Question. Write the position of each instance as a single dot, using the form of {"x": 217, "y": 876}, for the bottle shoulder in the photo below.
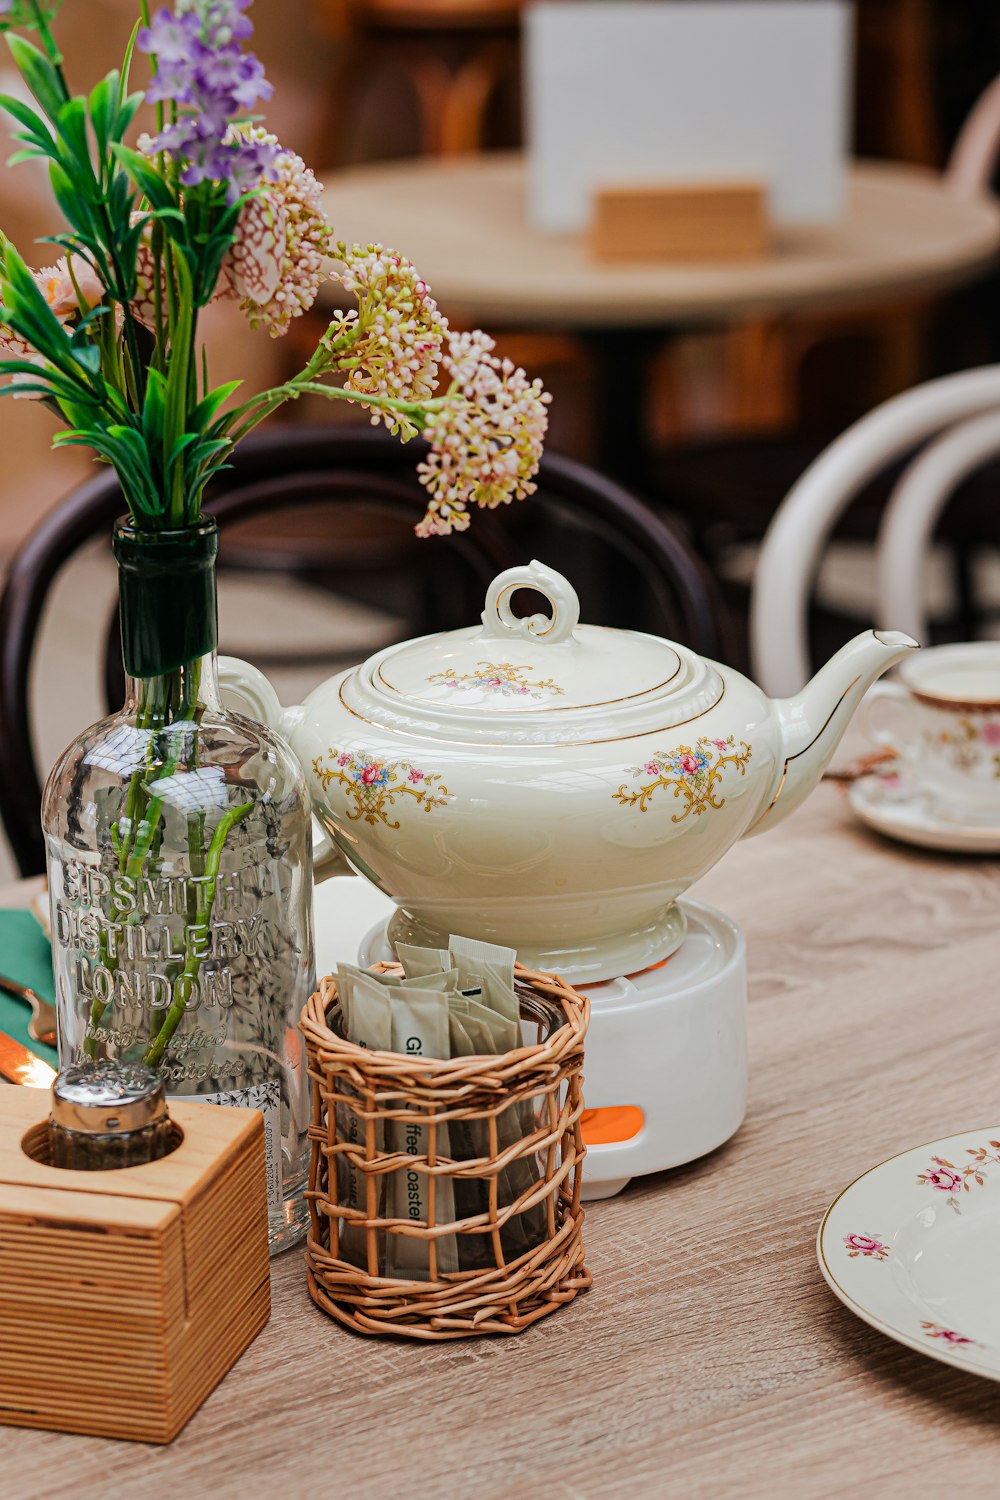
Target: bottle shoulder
{"x": 218, "y": 748}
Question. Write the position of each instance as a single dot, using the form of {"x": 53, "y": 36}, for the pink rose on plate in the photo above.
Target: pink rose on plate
{"x": 991, "y": 734}
{"x": 689, "y": 764}
{"x": 371, "y": 773}
{"x": 865, "y": 1244}
{"x": 944, "y": 1179}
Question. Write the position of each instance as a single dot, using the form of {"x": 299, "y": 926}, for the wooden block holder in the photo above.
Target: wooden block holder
{"x": 125, "y": 1296}
{"x": 722, "y": 221}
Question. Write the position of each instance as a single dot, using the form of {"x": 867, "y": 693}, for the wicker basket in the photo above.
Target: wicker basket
{"x": 495, "y": 1289}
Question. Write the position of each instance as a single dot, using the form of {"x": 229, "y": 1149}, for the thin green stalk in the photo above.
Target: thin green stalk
{"x": 197, "y": 944}
{"x": 261, "y": 406}
{"x": 49, "y": 44}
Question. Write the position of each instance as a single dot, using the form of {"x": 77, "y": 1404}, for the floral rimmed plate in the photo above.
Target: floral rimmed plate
{"x": 913, "y": 1248}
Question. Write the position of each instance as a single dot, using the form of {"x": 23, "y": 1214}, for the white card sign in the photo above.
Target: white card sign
{"x": 678, "y": 91}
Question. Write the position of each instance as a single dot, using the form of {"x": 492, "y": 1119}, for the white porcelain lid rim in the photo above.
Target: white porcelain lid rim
{"x": 363, "y": 696}
{"x": 681, "y": 675}
{"x": 510, "y": 669}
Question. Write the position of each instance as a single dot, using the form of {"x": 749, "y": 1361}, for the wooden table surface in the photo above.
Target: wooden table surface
{"x": 463, "y": 222}
{"x": 709, "y": 1359}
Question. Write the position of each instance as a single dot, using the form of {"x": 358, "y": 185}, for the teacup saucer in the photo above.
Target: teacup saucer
{"x": 893, "y": 805}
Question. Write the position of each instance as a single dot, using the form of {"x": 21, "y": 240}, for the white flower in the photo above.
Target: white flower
{"x": 486, "y": 441}
{"x": 400, "y": 330}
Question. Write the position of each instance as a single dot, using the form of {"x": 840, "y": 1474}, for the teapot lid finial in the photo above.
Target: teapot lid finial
{"x": 499, "y": 622}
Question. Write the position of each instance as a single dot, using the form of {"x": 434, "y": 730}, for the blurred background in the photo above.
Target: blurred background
{"x": 724, "y": 414}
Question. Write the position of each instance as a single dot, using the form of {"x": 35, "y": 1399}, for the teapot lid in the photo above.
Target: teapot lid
{"x": 539, "y": 679}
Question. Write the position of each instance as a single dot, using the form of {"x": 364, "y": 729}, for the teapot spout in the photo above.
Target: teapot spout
{"x": 813, "y": 721}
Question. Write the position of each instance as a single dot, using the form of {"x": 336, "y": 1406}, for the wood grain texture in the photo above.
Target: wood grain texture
{"x": 126, "y": 1295}
{"x": 711, "y": 222}
{"x": 709, "y": 1359}
{"x": 464, "y": 222}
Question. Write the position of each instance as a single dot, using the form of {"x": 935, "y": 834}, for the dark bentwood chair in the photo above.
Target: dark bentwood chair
{"x": 579, "y": 521}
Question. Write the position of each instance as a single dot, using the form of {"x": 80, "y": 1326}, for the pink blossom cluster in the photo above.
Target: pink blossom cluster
{"x": 399, "y": 330}
{"x": 486, "y": 440}
{"x": 277, "y": 262}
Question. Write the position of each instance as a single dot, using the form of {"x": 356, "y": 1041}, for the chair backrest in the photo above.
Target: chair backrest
{"x": 914, "y": 507}
{"x": 337, "y": 466}
{"x": 973, "y": 158}
{"x": 793, "y": 543}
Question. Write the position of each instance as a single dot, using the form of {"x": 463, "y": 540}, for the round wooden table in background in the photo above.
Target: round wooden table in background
{"x": 464, "y": 223}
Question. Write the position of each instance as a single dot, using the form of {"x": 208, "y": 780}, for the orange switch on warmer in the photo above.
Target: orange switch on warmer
{"x": 616, "y": 1122}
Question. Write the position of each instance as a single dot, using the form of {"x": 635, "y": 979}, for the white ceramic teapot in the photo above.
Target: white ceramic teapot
{"x": 554, "y": 786}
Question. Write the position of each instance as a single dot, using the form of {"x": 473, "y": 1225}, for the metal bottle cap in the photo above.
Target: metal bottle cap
{"x": 107, "y": 1097}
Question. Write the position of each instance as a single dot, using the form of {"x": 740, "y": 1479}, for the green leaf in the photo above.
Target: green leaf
{"x": 27, "y": 117}
{"x": 127, "y": 66}
{"x": 127, "y": 111}
{"x": 38, "y": 73}
{"x": 71, "y": 123}
{"x": 153, "y": 411}
{"x": 202, "y": 415}
{"x": 77, "y": 210}
{"x": 28, "y": 313}
{"x": 145, "y": 176}
{"x": 181, "y": 445}
{"x": 31, "y": 154}
{"x": 103, "y": 109}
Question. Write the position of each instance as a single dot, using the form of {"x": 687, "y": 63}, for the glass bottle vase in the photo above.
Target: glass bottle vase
{"x": 179, "y": 862}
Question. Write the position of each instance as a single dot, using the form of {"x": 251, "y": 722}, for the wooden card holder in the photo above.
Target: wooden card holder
{"x": 693, "y": 221}
{"x": 125, "y": 1296}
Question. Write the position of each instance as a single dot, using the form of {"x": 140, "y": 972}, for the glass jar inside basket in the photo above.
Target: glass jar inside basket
{"x": 178, "y": 846}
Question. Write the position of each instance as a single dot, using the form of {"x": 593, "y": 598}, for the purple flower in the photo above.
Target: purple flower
{"x": 200, "y": 66}
{"x": 6, "y": 6}
{"x": 168, "y": 38}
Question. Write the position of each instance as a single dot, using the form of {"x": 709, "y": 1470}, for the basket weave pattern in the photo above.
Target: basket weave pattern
{"x": 503, "y": 1294}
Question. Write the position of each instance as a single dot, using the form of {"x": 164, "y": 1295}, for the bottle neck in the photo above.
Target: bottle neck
{"x": 167, "y": 605}
{"x": 168, "y": 697}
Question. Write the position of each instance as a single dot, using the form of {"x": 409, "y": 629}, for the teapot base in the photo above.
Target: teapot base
{"x": 585, "y": 959}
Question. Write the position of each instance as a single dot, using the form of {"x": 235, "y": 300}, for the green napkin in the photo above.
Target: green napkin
{"x": 25, "y": 956}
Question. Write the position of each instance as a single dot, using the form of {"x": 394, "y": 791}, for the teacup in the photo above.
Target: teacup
{"x": 942, "y": 716}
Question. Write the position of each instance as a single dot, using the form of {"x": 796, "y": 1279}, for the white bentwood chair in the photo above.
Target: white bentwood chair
{"x": 794, "y": 541}
{"x": 913, "y": 510}
{"x": 791, "y": 548}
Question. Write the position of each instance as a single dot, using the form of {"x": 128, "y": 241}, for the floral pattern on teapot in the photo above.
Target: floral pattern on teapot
{"x": 502, "y": 678}
{"x": 693, "y": 772}
{"x": 374, "y": 786}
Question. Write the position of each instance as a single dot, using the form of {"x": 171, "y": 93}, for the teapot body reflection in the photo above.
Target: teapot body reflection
{"x": 552, "y": 786}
